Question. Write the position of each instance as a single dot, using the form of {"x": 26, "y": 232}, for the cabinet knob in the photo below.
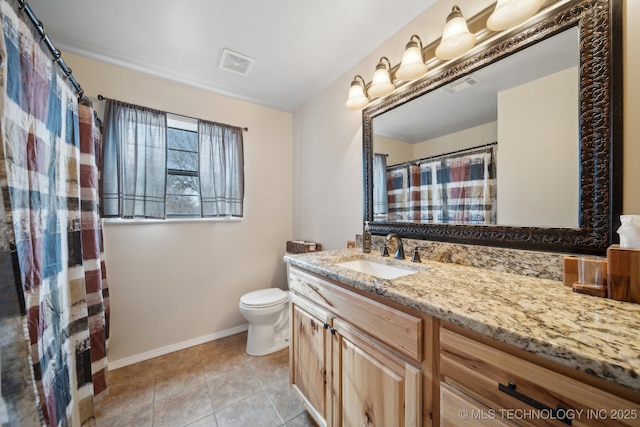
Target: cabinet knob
{"x": 333, "y": 331}
{"x": 326, "y": 325}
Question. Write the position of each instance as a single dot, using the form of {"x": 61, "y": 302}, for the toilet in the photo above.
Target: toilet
{"x": 267, "y": 311}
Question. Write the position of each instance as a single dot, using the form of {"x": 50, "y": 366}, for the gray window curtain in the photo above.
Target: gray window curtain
{"x": 134, "y": 162}
{"x": 221, "y": 169}
{"x": 380, "y": 200}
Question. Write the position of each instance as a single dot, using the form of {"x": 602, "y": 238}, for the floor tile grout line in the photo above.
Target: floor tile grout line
{"x": 153, "y": 399}
{"x": 206, "y": 382}
{"x": 239, "y": 349}
{"x": 262, "y": 386}
{"x": 271, "y": 402}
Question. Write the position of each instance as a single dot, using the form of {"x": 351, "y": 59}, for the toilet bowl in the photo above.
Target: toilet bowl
{"x": 267, "y": 311}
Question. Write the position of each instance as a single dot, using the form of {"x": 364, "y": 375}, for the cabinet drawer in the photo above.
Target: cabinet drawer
{"x": 514, "y": 387}
{"x": 395, "y": 328}
{"x": 458, "y": 410}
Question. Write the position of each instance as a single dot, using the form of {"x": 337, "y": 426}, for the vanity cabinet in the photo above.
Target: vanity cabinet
{"x": 482, "y": 384}
{"x": 355, "y": 361}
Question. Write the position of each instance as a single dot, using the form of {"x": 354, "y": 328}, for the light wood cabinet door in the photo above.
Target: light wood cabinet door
{"x": 310, "y": 357}
{"x": 371, "y": 385}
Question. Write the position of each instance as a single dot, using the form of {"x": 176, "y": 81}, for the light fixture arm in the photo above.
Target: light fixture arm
{"x": 355, "y": 81}
{"x": 455, "y": 13}
{"x": 381, "y": 64}
{"x": 414, "y": 41}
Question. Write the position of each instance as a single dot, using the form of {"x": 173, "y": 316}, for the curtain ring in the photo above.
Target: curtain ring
{"x": 41, "y": 29}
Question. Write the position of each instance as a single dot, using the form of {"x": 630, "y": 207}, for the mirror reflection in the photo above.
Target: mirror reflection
{"x": 499, "y": 146}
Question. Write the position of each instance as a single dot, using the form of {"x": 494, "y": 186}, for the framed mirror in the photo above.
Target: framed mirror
{"x": 543, "y": 104}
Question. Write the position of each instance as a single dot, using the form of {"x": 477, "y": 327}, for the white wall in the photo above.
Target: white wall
{"x": 396, "y": 151}
{"x": 538, "y": 172}
{"x": 327, "y": 170}
{"x": 400, "y": 151}
{"x": 175, "y": 282}
{"x": 467, "y": 138}
{"x": 631, "y": 189}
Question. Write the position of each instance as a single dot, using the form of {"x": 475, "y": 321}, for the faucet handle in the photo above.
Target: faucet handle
{"x": 416, "y": 256}
{"x": 385, "y": 250}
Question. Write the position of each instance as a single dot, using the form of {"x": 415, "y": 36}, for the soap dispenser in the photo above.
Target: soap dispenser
{"x": 366, "y": 238}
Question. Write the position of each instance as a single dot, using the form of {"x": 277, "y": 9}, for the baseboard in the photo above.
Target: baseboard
{"x": 175, "y": 347}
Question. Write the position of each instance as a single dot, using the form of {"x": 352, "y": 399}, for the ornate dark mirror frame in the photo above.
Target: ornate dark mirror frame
{"x": 600, "y": 33}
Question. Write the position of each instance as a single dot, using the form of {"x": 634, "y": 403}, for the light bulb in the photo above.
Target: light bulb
{"x": 357, "y": 98}
{"x": 381, "y": 83}
{"x": 412, "y": 65}
{"x": 456, "y": 38}
{"x": 509, "y": 13}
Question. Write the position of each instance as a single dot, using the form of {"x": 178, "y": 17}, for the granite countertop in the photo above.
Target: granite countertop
{"x": 595, "y": 335}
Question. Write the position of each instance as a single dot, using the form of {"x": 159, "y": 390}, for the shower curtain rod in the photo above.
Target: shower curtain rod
{"x": 437, "y": 156}
{"x": 102, "y": 98}
{"x": 57, "y": 55}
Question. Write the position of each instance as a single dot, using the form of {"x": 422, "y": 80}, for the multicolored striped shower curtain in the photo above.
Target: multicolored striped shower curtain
{"x": 52, "y": 235}
{"x": 397, "y": 189}
{"x": 467, "y": 187}
{"x": 457, "y": 188}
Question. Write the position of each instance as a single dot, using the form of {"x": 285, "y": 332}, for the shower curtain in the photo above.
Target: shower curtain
{"x": 467, "y": 187}
{"x": 397, "y": 188}
{"x": 51, "y": 240}
{"x": 380, "y": 199}
{"x": 457, "y": 188}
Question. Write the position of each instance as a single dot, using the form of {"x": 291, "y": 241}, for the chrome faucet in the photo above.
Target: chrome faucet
{"x": 399, "y": 248}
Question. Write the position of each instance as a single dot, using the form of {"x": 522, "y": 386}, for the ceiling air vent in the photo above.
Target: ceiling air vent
{"x": 236, "y": 63}
{"x": 461, "y": 84}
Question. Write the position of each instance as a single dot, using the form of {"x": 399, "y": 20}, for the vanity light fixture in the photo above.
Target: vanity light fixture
{"x": 412, "y": 65}
{"x": 509, "y": 13}
{"x": 381, "y": 83}
{"x": 357, "y": 97}
{"x": 456, "y": 38}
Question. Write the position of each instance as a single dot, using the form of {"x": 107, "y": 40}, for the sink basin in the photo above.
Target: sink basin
{"x": 371, "y": 268}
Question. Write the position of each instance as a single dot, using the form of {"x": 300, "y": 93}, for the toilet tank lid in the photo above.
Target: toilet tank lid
{"x": 262, "y": 297}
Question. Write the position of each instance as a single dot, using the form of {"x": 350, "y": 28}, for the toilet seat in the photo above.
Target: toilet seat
{"x": 264, "y": 298}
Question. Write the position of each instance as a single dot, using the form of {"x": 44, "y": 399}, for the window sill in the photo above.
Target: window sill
{"x": 119, "y": 221}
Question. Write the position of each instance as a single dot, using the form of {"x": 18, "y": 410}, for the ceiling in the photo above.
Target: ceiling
{"x": 299, "y": 46}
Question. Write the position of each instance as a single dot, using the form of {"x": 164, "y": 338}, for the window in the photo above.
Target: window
{"x": 159, "y": 165}
{"x": 183, "y": 182}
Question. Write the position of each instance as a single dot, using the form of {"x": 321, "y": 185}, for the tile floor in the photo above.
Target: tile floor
{"x": 213, "y": 384}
